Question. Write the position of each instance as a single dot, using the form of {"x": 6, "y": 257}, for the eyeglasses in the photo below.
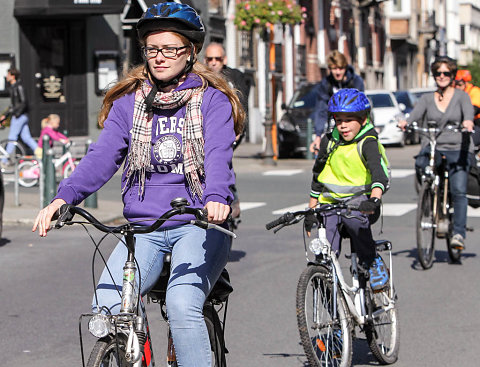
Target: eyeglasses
{"x": 168, "y": 52}
{"x": 448, "y": 74}
{"x": 216, "y": 58}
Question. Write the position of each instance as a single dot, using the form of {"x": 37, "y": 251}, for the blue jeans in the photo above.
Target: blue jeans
{"x": 19, "y": 127}
{"x": 198, "y": 258}
{"x": 458, "y": 165}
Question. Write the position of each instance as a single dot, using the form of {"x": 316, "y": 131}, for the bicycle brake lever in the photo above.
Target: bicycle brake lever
{"x": 62, "y": 216}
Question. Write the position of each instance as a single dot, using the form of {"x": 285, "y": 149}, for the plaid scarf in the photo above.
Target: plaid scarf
{"x": 192, "y": 136}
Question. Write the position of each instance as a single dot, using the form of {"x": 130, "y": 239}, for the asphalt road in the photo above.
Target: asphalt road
{"x": 47, "y": 283}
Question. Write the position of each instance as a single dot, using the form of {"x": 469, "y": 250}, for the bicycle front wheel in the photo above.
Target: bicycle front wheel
{"x": 426, "y": 225}
{"x": 28, "y": 173}
{"x": 215, "y": 333}
{"x": 109, "y": 352}
{"x": 383, "y": 333}
{"x": 68, "y": 168}
{"x": 322, "y": 320}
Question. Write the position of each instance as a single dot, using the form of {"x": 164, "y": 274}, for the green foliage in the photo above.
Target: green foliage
{"x": 474, "y": 68}
{"x": 263, "y": 13}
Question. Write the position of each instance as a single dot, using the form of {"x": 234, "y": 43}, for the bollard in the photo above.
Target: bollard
{"x": 309, "y": 154}
{"x": 48, "y": 174}
{"x": 91, "y": 201}
{"x": 64, "y": 147}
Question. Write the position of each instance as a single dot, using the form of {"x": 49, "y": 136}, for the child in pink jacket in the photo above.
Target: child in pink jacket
{"x": 50, "y": 124}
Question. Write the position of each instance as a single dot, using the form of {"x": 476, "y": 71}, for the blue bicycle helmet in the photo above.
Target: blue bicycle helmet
{"x": 171, "y": 16}
{"x": 349, "y": 100}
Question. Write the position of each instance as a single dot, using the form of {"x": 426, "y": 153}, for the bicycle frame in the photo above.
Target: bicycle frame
{"x": 354, "y": 295}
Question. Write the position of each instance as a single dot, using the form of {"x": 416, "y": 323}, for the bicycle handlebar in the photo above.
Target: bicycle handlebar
{"x": 426, "y": 130}
{"x": 67, "y": 211}
{"x": 295, "y": 217}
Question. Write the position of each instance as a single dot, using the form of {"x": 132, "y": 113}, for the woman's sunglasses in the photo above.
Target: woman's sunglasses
{"x": 448, "y": 74}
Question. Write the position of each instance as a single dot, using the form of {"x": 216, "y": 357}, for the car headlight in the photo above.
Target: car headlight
{"x": 286, "y": 124}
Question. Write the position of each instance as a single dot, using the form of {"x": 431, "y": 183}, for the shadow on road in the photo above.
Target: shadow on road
{"x": 236, "y": 255}
{"x": 4, "y": 241}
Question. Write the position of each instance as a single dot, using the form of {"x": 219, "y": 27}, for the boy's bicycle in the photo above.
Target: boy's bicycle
{"x": 29, "y": 169}
{"x": 124, "y": 339}
{"x": 329, "y": 309}
{"x": 434, "y": 208}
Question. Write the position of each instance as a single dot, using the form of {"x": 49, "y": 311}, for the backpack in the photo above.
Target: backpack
{"x": 384, "y": 160}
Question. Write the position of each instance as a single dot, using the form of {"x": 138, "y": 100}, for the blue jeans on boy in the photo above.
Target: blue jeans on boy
{"x": 19, "y": 127}
{"x": 198, "y": 258}
{"x": 458, "y": 164}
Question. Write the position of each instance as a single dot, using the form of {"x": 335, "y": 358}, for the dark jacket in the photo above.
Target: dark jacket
{"x": 18, "y": 99}
{"x": 239, "y": 81}
{"x": 325, "y": 89}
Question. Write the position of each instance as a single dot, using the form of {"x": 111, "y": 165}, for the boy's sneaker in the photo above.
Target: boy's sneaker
{"x": 457, "y": 242}
{"x": 378, "y": 274}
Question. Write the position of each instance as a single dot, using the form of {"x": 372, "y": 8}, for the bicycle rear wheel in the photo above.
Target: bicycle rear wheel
{"x": 109, "y": 352}
{"x": 19, "y": 151}
{"x": 215, "y": 333}
{"x": 426, "y": 226}
{"x": 326, "y": 337}
{"x": 28, "y": 173}
{"x": 383, "y": 333}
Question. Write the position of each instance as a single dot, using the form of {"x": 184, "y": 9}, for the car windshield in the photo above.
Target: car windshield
{"x": 402, "y": 97}
{"x": 303, "y": 98}
{"x": 381, "y": 100}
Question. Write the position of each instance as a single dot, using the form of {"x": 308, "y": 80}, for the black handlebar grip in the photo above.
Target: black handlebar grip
{"x": 277, "y": 221}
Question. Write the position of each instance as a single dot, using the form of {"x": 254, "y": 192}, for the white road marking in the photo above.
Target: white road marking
{"x": 401, "y": 173}
{"x": 250, "y": 205}
{"x": 283, "y": 172}
{"x": 397, "y": 210}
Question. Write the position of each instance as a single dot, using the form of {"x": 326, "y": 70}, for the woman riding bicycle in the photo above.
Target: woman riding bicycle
{"x": 448, "y": 107}
{"x": 174, "y": 122}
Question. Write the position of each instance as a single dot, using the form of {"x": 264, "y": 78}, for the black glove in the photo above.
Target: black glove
{"x": 310, "y": 220}
{"x": 370, "y": 205}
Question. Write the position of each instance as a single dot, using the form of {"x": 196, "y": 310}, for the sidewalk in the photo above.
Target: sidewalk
{"x": 247, "y": 158}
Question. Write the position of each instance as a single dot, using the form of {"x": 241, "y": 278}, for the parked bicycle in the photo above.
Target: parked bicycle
{"x": 29, "y": 169}
{"x": 434, "y": 208}
{"x": 329, "y": 309}
{"x": 124, "y": 339}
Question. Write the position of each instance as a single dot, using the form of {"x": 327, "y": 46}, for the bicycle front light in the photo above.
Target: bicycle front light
{"x": 315, "y": 246}
{"x": 99, "y": 326}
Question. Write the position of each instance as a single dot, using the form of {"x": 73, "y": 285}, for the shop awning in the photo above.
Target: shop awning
{"x": 26, "y": 8}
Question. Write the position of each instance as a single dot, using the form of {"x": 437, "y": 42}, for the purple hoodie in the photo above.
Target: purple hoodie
{"x": 165, "y": 179}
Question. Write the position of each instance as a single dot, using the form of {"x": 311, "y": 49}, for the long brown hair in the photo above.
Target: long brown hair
{"x": 134, "y": 78}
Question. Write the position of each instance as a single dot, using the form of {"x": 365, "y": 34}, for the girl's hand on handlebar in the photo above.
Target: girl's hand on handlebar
{"x": 468, "y": 125}
{"x": 44, "y": 217}
{"x": 217, "y": 212}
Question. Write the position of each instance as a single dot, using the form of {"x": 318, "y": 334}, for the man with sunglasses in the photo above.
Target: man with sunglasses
{"x": 448, "y": 106}
{"x": 341, "y": 75}
{"x": 216, "y": 60}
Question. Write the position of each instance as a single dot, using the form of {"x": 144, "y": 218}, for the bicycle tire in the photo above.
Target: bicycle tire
{"x": 327, "y": 341}
{"x": 27, "y": 174}
{"x": 383, "y": 332}
{"x": 426, "y": 226}
{"x": 20, "y": 150}
{"x": 215, "y": 333}
{"x": 104, "y": 353}
{"x": 67, "y": 169}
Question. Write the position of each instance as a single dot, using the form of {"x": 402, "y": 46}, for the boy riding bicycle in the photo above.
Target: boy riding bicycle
{"x": 351, "y": 168}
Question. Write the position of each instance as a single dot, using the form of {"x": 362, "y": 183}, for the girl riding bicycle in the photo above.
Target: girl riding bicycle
{"x": 448, "y": 107}
{"x": 50, "y": 125}
{"x": 349, "y": 169}
{"x": 174, "y": 123}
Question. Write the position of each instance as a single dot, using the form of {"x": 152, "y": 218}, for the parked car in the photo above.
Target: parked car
{"x": 408, "y": 99}
{"x": 292, "y": 126}
{"x": 386, "y": 113}
{"x": 419, "y": 92}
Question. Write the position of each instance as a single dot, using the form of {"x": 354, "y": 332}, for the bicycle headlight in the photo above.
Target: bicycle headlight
{"x": 99, "y": 326}
{"x": 315, "y": 246}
